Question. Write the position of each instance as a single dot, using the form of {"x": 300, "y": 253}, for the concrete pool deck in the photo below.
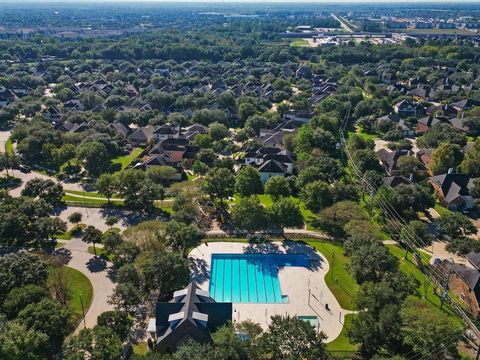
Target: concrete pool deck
{"x": 305, "y": 287}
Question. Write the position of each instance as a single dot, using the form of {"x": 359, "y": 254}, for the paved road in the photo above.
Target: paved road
{"x": 91, "y": 216}
{"x": 95, "y": 270}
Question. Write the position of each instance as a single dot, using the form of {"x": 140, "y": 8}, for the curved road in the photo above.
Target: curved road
{"x": 96, "y": 270}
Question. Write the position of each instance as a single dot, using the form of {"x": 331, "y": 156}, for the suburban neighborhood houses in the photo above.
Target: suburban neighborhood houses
{"x": 239, "y": 181}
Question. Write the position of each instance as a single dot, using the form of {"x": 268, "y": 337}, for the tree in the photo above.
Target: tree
{"x": 75, "y": 218}
{"x": 454, "y": 225}
{"x": 441, "y": 133}
{"x": 334, "y": 219}
{"x": 277, "y": 186}
{"x": 293, "y": 338}
{"x": 245, "y": 110}
{"x": 248, "y": 182}
{"x": 107, "y": 185}
{"x": 471, "y": 162}
{"x": 182, "y": 237}
{"x": 217, "y": 131}
{"x": 219, "y": 183}
{"x": 444, "y": 157}
{"x": 49, "y": 318}
{"x": 408, "y": 165}
{"x": 417, "y": 230}
{"x": 91, "y": 235}
{"x": 20, "y": 297}
{"x": 365, "y": 160}
{"x": 285, "y": 213}
{"x": 316, "y": 196}
{"x": 99, "y": 343}
{"x": 370, "y": 261}
{"x": 50, "y": 227}
{"x": 426, "y": 328}
{"x": 118, "y": 321}
{"x": 138, "y": 191}
{"x": 162, "y": 174}
{"x": 378, "y": 323}
{"x": 411, "y": 197}
{"x": 47, "y": 190}
{"x": 20, "y": 269}
{"x": 94, "y": 155}
{"x": 249, "y": 215}
{"x": 164, "y": 273}
{"x": 17, "y": 342}
{"x": 111, "y": 220}
{"x": 228, "y": 344}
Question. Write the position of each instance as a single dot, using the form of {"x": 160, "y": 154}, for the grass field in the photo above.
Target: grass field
{"x": 299, "y": 42}
{"x": 69, "y": 234}
{"x": 341, "y": 343}
{"x": 79, "y": 286}
{"x": 126, "y": 160}
{"x": 338, "y": 278}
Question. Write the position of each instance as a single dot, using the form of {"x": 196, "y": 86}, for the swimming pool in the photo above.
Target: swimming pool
{"x": 250, "y": 278}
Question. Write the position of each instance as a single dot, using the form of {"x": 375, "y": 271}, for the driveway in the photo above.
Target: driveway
{"x": 96, "y": 270}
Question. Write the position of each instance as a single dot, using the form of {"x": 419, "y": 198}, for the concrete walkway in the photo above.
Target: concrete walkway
{"x": 96, "y": 270}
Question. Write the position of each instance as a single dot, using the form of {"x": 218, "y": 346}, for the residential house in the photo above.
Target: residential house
{"x": 121, "y": 129}
{"x": 453, "y": 190}
{"x": 464, "y": 105}
{"x": 73, "y": 105}
{"x": 409, "y": 108}
{"x": 473, "y": 258}
{"x": 423, "y": 124}
{"x": 191, "y": 314}
{"x": 142, "y": 136}
{"x": 270, "y": 168}
{"x": 425, "y": 155}
{"x": 422, "y": 92}
{"x": 389, "y": 159}
{"x": 6, "y": 96}
{"x": 394, "y": 181}
{"x": 166, "y": 131}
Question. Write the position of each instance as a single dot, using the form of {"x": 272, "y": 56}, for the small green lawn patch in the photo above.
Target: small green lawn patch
{"x": 100, "y": 252}
{"x": 299, "y": 42}
{"x": 125, "y": 160}
{"x": 342, "y": 343}
{"x": 9, "y": 147}
{"x": 338, "y": 278}
{"x": 140, "y": 348}
{"x": 79, "y": 286}
{"x": 71, "y": 233}
{"x": 441, "y": 210}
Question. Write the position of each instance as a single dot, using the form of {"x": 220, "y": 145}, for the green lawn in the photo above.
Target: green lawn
{"x": 363, "y": 135}
{"x": 442, "y": 211}
{"x": 126, "y": 160}
{"x": 9, "y": 147}
{"x": 338, "y": 278}
{"x": 425, "y": 289}
{"x": 88, "y": 193}
{"x": 299, "y": 42}
{"x": 79, "y": 286}
{"x": 341, "y": 343}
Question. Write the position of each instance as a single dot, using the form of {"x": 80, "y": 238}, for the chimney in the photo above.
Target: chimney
{"x": 410, "y": 177}
{"x": 450, "y": 171}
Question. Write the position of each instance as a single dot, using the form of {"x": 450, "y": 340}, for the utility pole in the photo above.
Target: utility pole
{"x": 445, "y": 288}
{"x": 83, "y": 311}
{"x": 333, "y": 262}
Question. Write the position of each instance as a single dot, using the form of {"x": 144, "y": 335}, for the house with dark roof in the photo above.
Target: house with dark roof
{"x": 6, "y": 96}
{"x": 473, "y": 258}
{"x": 453, "y": 190}
{"x": 271, "y": 168}
{"x": 191, "y": 313}
{"x": 464, "y": 105}
{"x": 142, "y": 136}
{"x": 422, "y": 92}
{"x": 394, "y": 181}
{"x": 425, "y": 123}
{"x": 465, "y": 283}
{"x": 409, "y": 108}
{"x": 166, "y": 131}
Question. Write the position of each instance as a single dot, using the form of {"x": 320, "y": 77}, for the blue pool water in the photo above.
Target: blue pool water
{"x": 250, "y": 278}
